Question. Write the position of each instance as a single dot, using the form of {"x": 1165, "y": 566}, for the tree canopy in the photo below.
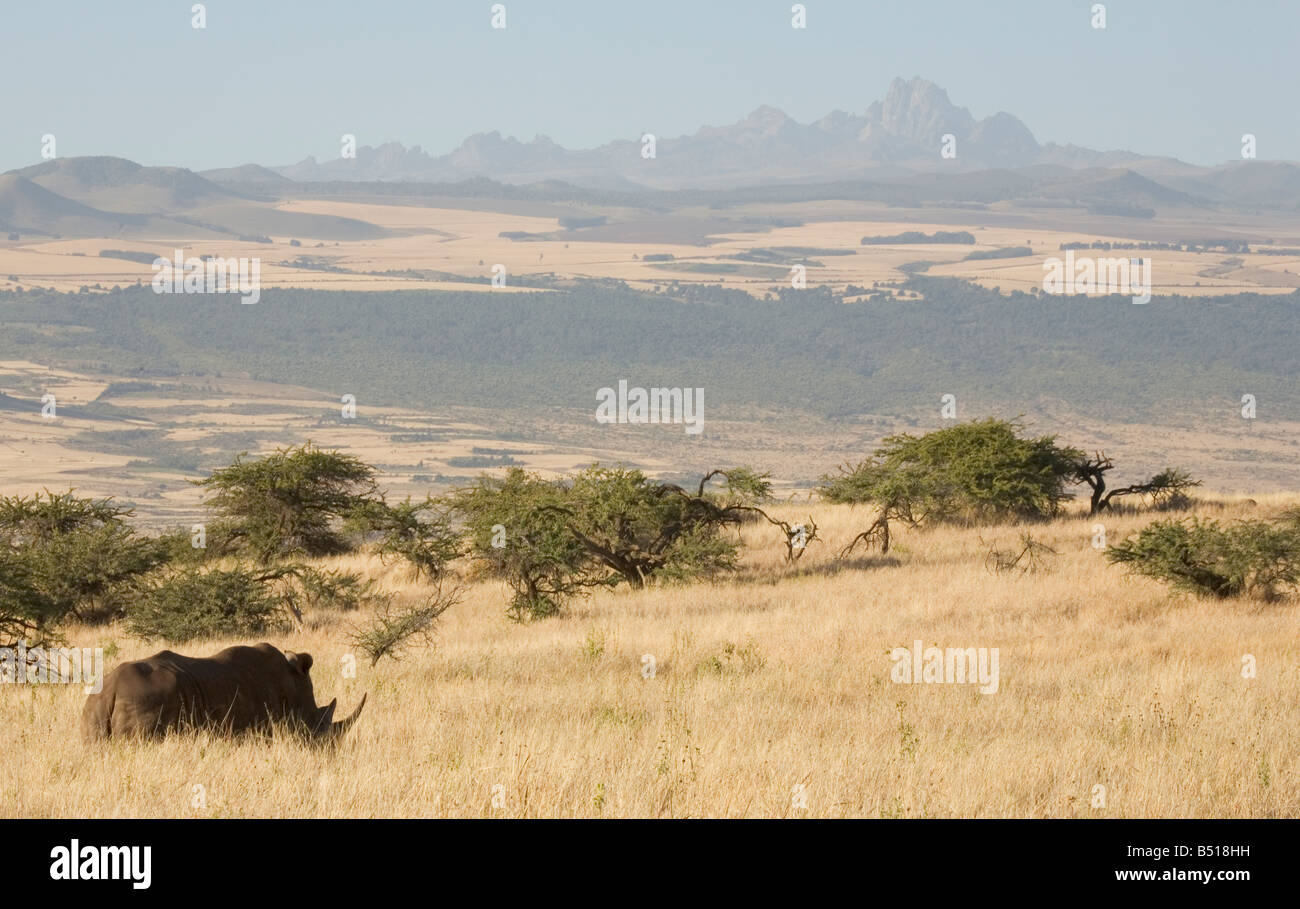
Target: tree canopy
{"x": 291, "y": 501}
{"x": 975, "y": 472}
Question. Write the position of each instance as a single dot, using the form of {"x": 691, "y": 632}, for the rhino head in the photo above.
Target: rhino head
{"x": 301, "y": 701}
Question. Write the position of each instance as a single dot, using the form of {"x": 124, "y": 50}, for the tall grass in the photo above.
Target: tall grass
{"x": 768, "y": 689}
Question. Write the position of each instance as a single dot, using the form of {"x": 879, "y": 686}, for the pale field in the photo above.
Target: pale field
{"x": 1189, "y": 274}
{"x": 772, "y": 679}
{"x": 474, "y": 236}
{"x": 466, "y": 244}
{"x": 68, "y": 265}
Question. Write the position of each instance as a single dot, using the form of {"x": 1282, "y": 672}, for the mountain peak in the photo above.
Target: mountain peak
{"x": 919, "y": 110}
{"x": 766, "y": 114}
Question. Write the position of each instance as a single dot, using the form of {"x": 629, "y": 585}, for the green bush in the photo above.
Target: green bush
{"x": 1258, "y": 558}
{"x": 78, "y": 554}
{"x": 26, "y": 612}
{"x": 342, "y": 590}
{"x": 193, "y": 603}
{"x": 517, "y": 531}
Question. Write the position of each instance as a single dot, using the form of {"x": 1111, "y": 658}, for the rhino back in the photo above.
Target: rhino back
{"x": 235, "y": 690}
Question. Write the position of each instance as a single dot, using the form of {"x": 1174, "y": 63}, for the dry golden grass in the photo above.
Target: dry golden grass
{"x": 773, "y": 679}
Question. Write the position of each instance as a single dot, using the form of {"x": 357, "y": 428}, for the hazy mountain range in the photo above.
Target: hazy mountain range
{"x": 901, "y": 133}
{"x": 889, "y": 154}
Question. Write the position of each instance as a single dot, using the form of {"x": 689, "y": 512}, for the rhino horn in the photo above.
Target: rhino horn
{"x": 342, "y": 726}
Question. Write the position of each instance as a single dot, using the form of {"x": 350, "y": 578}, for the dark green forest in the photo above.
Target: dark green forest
{"x": 805, "y": 350}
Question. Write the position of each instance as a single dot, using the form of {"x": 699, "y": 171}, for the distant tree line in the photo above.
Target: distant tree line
{"x": 963, "y": 237}
{"x": 1227, "y": 245}
{"x": 794, "y": 349}
{"x": 1006, "y": 252}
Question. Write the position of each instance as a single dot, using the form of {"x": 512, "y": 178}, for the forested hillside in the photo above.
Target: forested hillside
{"x": 807, "y": 351}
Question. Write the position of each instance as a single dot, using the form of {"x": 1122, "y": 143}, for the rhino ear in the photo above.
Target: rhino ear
{"x": 299, "y": 661}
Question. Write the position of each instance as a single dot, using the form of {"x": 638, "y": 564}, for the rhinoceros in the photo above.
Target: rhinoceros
{"x": 238, "y": 690}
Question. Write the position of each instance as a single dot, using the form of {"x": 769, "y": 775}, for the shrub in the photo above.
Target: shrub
{"x": 394, "y": 628}
{"x": 220, "y": 539}
{"x": 341, "y": 590}
{"x": 1204, "y": 557}
{"x": 192, "y": 603}
{"x": 733, "y": 658}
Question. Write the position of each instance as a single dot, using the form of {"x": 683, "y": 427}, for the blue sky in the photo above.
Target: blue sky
{"x": 272, "y": 81}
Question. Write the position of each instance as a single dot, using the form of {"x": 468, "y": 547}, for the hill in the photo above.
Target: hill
{"x": 27, "y": 207}
{"x": 110, "y": 197}
{"x": 247, "y": 175}
{"x": 119, "y": 185}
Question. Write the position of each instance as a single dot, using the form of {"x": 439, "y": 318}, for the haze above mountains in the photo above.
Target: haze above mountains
{"x": 890, "y": 153}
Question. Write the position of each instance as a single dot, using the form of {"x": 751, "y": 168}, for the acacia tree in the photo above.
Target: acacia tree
{"x": 517, "y": 531}
{"x": 638, "y": 527}
{"x": 553, "y": 539}
{"x": 977, "y": 472}
{"x": 292, "y": 501}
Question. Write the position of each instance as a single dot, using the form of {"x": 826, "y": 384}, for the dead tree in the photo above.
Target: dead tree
{"x": 875, "y": 535}
{"x": 1093, "y": 472}
{"x": 1164, "y": 486}
{"x": 897, "y": 508}
{"x": 1032, "y": 557}
{"x": 797, "y": 536}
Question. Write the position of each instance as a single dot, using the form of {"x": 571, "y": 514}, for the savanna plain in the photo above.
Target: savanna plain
{"x": 766, "y": 694}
